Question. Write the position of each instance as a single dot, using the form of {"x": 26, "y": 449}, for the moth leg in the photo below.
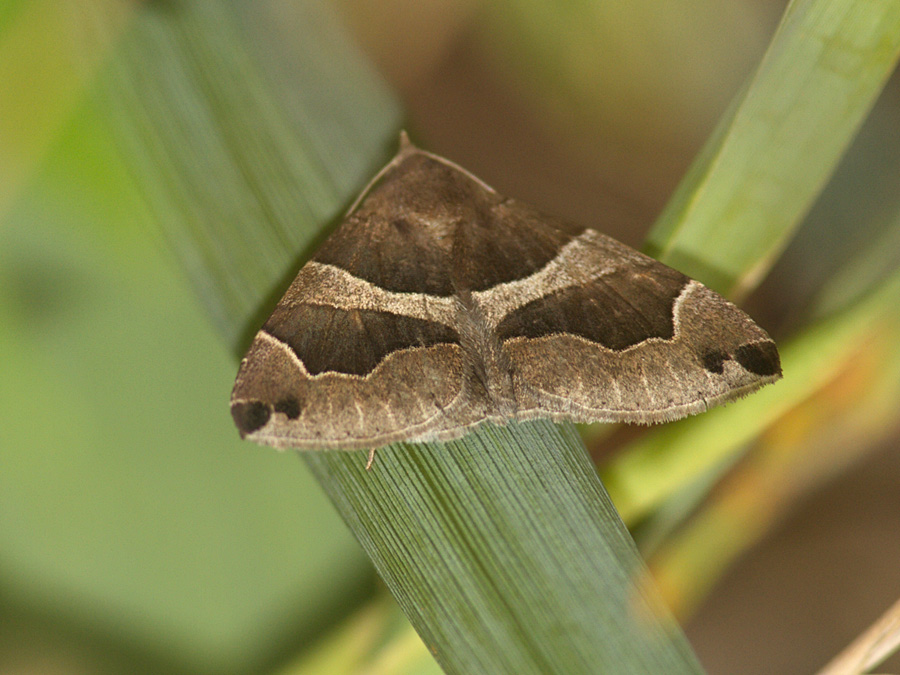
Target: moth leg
{"x": 371, "y": 459}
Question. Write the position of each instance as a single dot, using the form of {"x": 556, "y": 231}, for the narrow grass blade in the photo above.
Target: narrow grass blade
{"x": 878, "y": 642}
{"x": 759, "y": 173}
{"x": 837, "y": 426}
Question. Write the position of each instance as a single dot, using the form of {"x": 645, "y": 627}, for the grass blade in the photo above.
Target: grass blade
{"x": 878, "y": 642}
{"x": 761, "y": 170}
{"x": 244, "y": 178}
{"x": 243, "y": 159}
{"x": 523, "y": 562}
{"x": 752, "y": 184}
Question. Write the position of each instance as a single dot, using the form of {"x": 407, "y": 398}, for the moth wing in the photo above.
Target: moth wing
{"x": 605, "y": 333}
{"x": 439, "y": 304}
{"x": 362, "y": 350}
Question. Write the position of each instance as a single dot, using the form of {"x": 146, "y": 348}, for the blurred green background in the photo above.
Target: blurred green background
{"x": 138, "y": 534}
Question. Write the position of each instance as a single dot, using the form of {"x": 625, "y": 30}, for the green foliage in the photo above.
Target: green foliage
{"x": 249, "y": 133}
{"x": 772, "y": 154}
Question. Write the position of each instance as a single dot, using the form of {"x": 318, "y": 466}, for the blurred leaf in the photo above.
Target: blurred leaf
{"x": 759, "y": 173}
{"x": 129, "y": 509}
{"x": 372, "y": 641}
{"x": 796, "y": 116}
{"x": 612, "y": 85}
{"x": 863, "y": 273}
{"x": 130, "y": 513}
{"x": 841, "y": 414}
{"x": 871, "y": 648}
{"x": 58, "y": 41}
{"x": 849, "y": 416}
{"x": 246, "y": 139}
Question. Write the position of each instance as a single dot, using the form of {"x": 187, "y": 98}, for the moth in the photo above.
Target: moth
{"x": 439, "y": 304}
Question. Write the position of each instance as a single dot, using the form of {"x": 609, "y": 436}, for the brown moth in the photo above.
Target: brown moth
{"x": 439, "y": 304}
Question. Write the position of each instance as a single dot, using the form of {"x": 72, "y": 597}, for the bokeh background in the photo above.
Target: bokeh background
{"x": 138, "y": 534}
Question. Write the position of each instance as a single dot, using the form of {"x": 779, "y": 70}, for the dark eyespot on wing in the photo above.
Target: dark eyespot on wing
{"x": 714, "y": 361}
{"x": 289, "y": 406}
{"x": 760, "y": 358}
{"x": 250, "y": 416}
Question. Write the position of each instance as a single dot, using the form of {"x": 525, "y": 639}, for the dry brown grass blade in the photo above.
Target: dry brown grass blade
{"x": 873, "y": 646}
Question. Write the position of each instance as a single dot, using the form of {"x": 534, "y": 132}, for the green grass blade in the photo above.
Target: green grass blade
{"x": 740, "y": 202}
{"x": 505, "y": 551}
{"x": 245, "y": 157}
{"x": 760, "y": 172}
{"x": 525, "y": 563}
